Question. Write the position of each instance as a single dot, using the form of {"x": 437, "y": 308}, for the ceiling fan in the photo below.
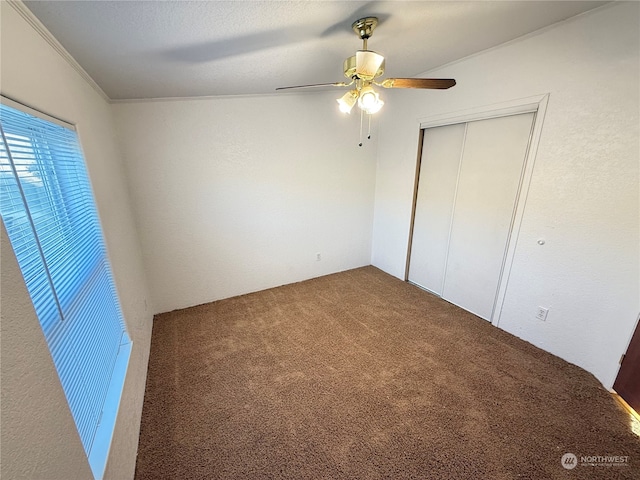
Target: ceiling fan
{"x": 363, "y": 68}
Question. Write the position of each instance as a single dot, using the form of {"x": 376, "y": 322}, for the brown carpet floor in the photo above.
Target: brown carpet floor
{"x": 359, "y": 375}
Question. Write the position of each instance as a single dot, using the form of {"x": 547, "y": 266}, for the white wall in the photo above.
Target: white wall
{"x": 34, "y": 409}
{"x": 238, "y": 194}
{"x": 39, "y": 439}
{"x": 583, "y": 196}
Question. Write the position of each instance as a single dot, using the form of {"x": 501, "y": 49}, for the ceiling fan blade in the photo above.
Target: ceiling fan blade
{"x": 338, "y": 84}
{"x": 439, "y": 83}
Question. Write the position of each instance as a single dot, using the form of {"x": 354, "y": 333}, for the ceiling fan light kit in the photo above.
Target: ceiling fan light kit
{"x": 369, "y": 100}
{"x": 363, "y": 68}
{"x": 347, "y": 101}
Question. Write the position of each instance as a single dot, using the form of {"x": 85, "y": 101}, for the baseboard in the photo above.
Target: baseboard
{"x": 625, "y": 405}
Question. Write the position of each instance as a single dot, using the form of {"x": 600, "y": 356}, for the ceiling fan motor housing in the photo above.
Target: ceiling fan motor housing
{"x": 365, "y": 65}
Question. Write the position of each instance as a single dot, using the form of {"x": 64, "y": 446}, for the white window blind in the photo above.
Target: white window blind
{"x": 48, "y": 209}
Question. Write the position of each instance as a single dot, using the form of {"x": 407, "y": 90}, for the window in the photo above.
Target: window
{"x": 49, "y": 212}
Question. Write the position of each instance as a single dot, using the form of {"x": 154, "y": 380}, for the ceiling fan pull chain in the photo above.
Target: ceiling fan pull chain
{"x": 369, "y": 132}
{"x": 361, "y": 115}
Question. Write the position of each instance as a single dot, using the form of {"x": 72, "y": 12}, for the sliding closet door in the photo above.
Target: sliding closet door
{"x": 488, "y": 183}
{"x": 468, "y": 186}
{"x": 442, "y": 147}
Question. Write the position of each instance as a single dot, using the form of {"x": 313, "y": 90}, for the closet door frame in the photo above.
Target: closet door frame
{"x": 537, "y": 105}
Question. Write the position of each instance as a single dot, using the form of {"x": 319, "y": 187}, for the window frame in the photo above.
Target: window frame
{"x": 97, "y": 448}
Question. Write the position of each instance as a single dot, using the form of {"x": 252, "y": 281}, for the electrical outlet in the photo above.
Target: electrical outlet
{"x": 541, "y": 313}
{"x": 318, "y": 257}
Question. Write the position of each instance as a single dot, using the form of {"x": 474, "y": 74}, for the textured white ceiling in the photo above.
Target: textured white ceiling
{"x": 153, "y": 49}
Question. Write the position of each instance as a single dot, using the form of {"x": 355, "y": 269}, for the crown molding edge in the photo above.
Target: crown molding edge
{"x": 39, "y": 27}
